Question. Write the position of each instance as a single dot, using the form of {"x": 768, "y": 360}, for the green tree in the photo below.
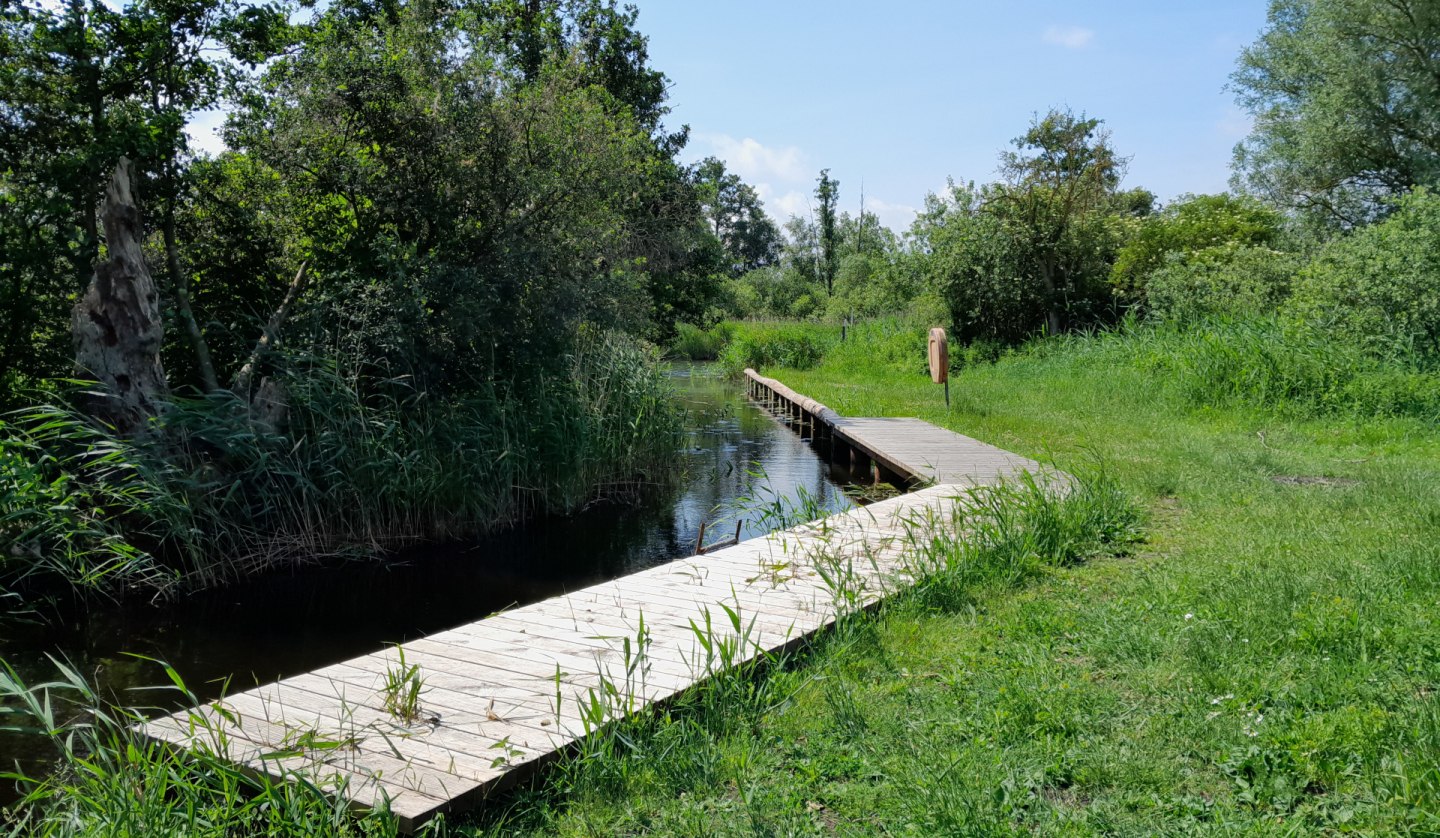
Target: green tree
{"x": 827, "y": 195}
{"x": 751, "y": 240}
{"x": 459, "y": 226}
{"x": 965, "y": 250}
{"x": 1346, "y": 96}
{"x": 83, "y": 85}
{"x": 1058, "y": 194}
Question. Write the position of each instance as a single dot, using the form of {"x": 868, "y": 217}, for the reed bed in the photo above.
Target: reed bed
{"x": 213, "y": 495}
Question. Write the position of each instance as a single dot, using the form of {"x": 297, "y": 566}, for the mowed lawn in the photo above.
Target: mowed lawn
{"x": 1265, "y": 662}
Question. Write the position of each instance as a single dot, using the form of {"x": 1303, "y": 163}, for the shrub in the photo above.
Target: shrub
{"x": 794, "y": 345}
{"x": 1229, "y": 280}
{"x": 1379, "y": 287}
{"x": 1192, "y": 225}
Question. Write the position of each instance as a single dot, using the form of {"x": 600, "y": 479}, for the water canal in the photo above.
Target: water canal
{"x": 737, "y": 463}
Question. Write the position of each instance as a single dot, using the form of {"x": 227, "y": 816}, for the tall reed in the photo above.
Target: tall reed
{"x": 213, "y": 494}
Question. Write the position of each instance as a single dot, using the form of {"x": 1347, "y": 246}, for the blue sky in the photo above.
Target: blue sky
{"x": 903, "y": 95}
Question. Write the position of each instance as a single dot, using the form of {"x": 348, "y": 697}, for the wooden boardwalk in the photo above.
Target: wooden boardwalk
{"x": 504, "y": 695}
{"x": 905, "y": 451}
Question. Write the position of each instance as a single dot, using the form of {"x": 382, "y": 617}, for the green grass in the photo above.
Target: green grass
{"x": 113, "y": 781}
{"x": 692, "y": 343}
{"x": 1266, "y": 663}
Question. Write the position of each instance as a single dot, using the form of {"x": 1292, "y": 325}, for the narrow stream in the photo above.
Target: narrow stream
{"x": 293, "y": 622}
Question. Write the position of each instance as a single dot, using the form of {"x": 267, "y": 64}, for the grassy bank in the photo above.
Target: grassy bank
{"x": 1265, "y": 664}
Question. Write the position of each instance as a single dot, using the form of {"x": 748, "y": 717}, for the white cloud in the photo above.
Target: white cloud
{"x": 1070, "y": 37}
{"x": 782, "y": 205}
{"x": 754, "y": 161}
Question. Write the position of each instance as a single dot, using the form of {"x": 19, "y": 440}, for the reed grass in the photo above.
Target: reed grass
{"x": 113, "y": 781}
{"x": 213, "y": 495}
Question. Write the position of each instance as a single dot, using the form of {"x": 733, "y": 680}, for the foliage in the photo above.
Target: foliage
{"x": 1226, "y": 280}
{"x": 1345, "y": 94}
{"x": 783, "y": 292}
{"x": 751, "y": 240}
{"x": 1034, "y": 251}
{"x": 1193, "y": 223}
{"x": 447, "y": 222}
{"x": 82, "y": 84}
{"x": 896, "y": 343}
{"x": 1289, "y": 368}
{"x": 696, "y": 344}
{"x": 217, "y": 496}
{"x": 1377, "y": 286}
{"x": 796, "y": 345}
{"x": 827, "y": 195}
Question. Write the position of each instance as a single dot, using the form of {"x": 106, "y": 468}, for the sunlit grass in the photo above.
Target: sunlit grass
{"x": 1265, "y": 663}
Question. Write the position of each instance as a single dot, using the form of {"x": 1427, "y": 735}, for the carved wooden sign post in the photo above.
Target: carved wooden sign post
{"x": 940, "y": 361}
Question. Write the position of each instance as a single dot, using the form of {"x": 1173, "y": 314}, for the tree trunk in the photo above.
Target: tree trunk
{"x": 1053, "y": 321}
{"x": 271, "y": 335}
{"x": 116, "y": 325}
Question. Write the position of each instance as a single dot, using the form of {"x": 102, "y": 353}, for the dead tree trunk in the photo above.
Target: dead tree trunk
{"x": 116, "y": 325}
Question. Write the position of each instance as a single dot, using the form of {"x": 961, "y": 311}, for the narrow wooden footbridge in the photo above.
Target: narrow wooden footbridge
{"x": 504, "y": 695}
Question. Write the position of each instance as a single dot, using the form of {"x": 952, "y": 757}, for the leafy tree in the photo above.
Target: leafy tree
{"x": 1059, "y": 190}
{"x": 1191, "y": 224}
{"x": 968, "y": 254}
{"x": 84, "y": 85}
{"x": 751, "y": 240}
{"x": 461, "y": 227}
{"x": 827, "y": 195}
{"x": 1345, "y": 96}
{"x": 599, "y": 36}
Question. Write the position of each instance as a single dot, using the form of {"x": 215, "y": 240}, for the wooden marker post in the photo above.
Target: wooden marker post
{"x": 940, "y": 361}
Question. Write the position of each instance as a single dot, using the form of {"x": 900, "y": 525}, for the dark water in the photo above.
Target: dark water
{"x": 295, "y": 621}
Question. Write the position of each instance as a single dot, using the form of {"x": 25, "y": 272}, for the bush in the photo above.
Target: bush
{"x": 1228, "y": 280}
{"x": 794, "y": 345}
{"x": 1380, "y": 286}
{"x": 1193, "y": 225}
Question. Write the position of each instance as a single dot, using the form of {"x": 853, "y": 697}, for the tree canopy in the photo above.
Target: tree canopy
{"x": 1346, "y": 98}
